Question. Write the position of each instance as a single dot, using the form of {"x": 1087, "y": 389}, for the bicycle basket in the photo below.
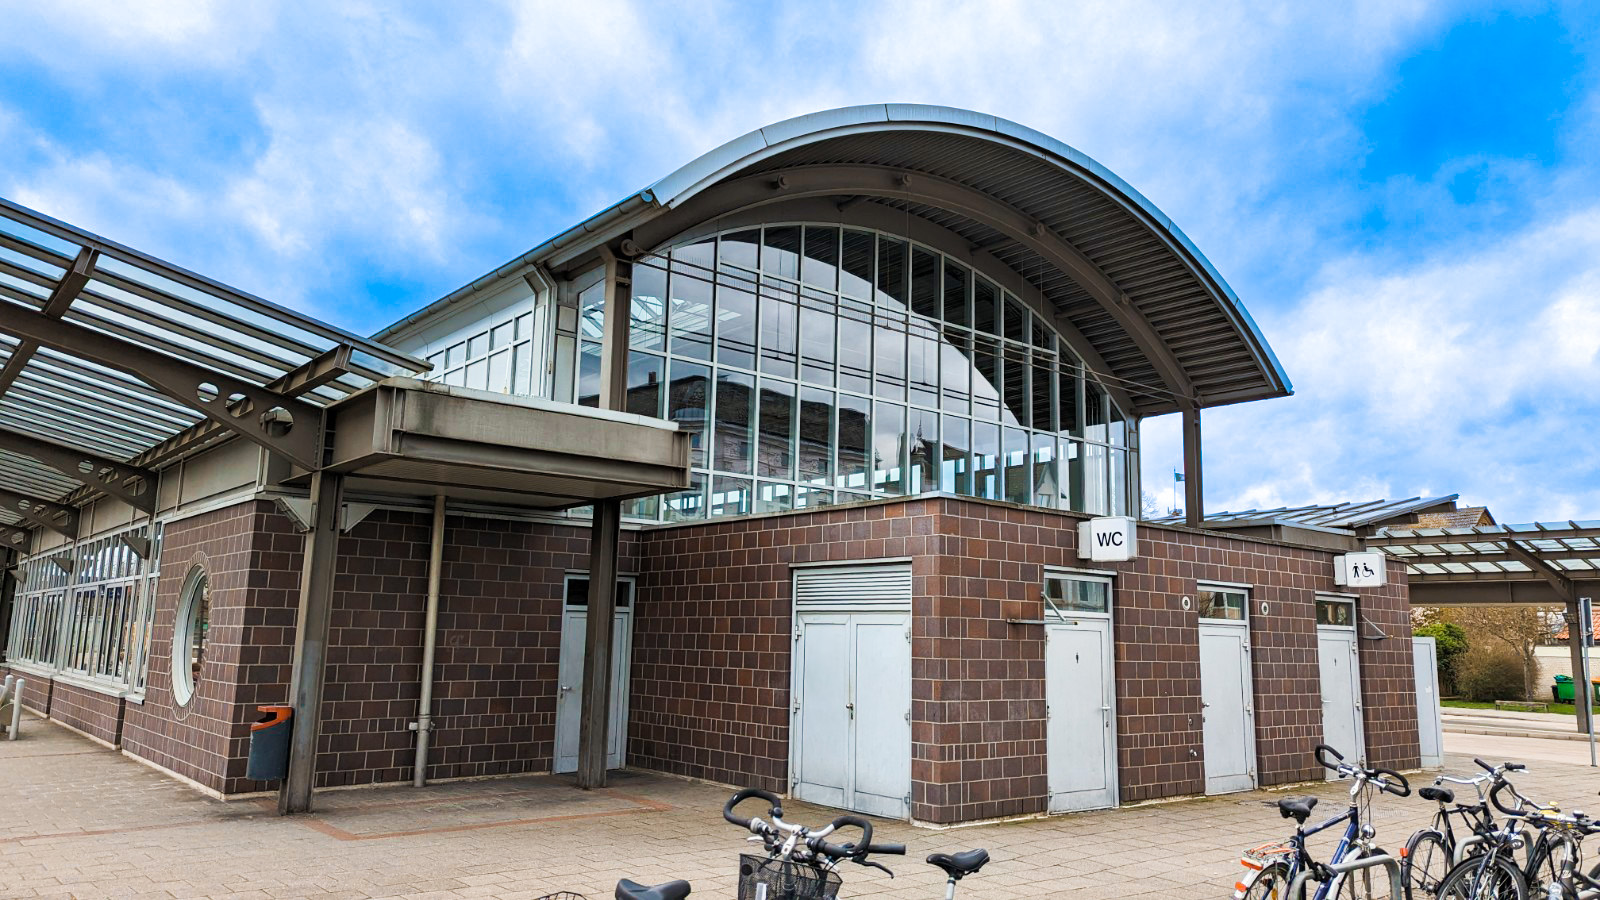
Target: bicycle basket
{"x": 563, "y": 895}
{"x": 775, "y": 879}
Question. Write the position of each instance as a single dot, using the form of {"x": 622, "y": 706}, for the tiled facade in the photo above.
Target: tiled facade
{"x": 712, "y": 633}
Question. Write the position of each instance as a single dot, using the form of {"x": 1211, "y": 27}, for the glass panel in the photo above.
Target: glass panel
{"x": 925, "y": 300}
{"x": 889, "y": 351}
{"x": 889, "y": 448}
{"x": 690, "y": 317}
{"x": 922, "y": 358}
{"x": 455, "y": 355}
{"x": 648, "y": 508}
{"x": 1094, "y": 412}
{"x": 985, "y": 307}
{"x": 856, "y": 279}
{"x": 1335, "y": 612}
{"x": 1117, "y": 490}
{"x": 1221, "y": 603}
{"x": 588, "y": 374}
{"x": 500, "y": 372}
{"x": 522, "y": 370}
{"x": 1042, "y": 338}
{"x": 499, "y": 336}
{"x": 1094, "y": 480}
{"x": 1018, "y": 477}
{"x": 956, "y": 302}
{"x": 1045, "y": 487}
{"x": 780, "y": 252}
{"x": 735, "y": 416}
{"x": 955, "y": 372}
{"x": 1067, "y": 403}
{"x": 594, "y": 307}
{"x": 986, "y": 381}
{"x": 779, "y": 332}
{"x": 891, "y": 272}
{"x": 1016, "y": 319}
{"x": 578, "y": 592}
{"x": 816, "y": 343}
{"x": 1017, "y": 411}
{"x": 740, "y": 248}
{"x": 730, "y": 496}
{"x": 689, "y": 403}
{"x": 986, "y": 460}
{"x": 1070, "y": 474}
{"x": 772, "y": 497}
{"x": 1070, "y": 594}
{"x": 855, "y": 349}
{"x": 955, "y": 472}
{"x": 923, "y": 433}
{"x": 812, "y": 497}
{"x": 854, "y": 423}
{"x": 816, "y": 435}
{"x": 697, "y": 255}
{"x": 1043, "y": 377}
{"x": 645, "y": 374}
{"x": 775, "y": 451}
{"x": 685, "y": 506}
{"x": 820, "y": 268}
{"x": 525, "y": 324}
{"x": 736, "y": 327}
{"x": 647, "y": 321}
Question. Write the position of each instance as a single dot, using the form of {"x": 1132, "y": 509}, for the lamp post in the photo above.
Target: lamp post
{"x": 1580, "y": 623}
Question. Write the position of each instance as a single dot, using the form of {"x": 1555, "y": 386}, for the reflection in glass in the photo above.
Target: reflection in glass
{"x": 889, "y": 448}
{"x": 687, "y": 505}
{"x": 955, "y": 373}
{"x": 1016, "y": 319}
{"x": 855, "y": 349}
{"x": 1220, "y": 603}
{"x": 647, "y": 320}
{"x": 588, "y": 374}
{"x": 816, "y": 343}
{"x": 807, "y": 497}
{"x": 816, "y": 436}
{"x": 986, "y": 380}
{"x": 1117, "y": 495}
{"x": 986, "y": 460}
{"x": 1094, "y": 480}
{"x": 854, "y": 421}
{"x": 774, "y": 497}
{"x": 955, "y": 475}
{"x": 889, "y": 350}
{"x": 922, "y": 431}
{"x": 1017, "y": 477}
{"x": 1041, "y": 380}
{"x": 891, "y": 272}
{"x": 855, "y": 279}
{"x": 645, "y": 375}
{"x": 690, "y": 317}
{"x": 1094, "y": 412}
{"x": 925, "y": 299}
{"x": 1016, "y": 411}
{"x": 955, "y": 294}
{"x": 775, "y": 450}
{"x": 689, "y": 404}
{"x": 820, "y": 267}
{"x": 1046, "y": 491}
{"x": 740, "y": 248}
{"x": 1069, "y": 594}
{"x": 780, "y": 252}
{"x": 779, "y": 332}
{"x": 922, "y": 363}
{"x": 735, "y": 415}
{"x": 730, "y": 496}
{"x": 985, "y": 306}
{"x": 1067, "y": 404}
{"x": 736, "y": 327}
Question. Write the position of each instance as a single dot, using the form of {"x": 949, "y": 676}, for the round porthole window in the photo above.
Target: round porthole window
{"x": 189, "y": 635}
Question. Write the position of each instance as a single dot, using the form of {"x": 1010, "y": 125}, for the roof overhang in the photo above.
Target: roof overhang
{"x": 410, "y": 437}
{"x": 1546, "y": 563}
{"x": 1158, "y": 320}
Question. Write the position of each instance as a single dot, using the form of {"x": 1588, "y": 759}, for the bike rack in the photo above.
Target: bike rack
{"x": 11, "y": 693}
{"x": 1297, "y": 888}
{"x": 1517, "y": 843}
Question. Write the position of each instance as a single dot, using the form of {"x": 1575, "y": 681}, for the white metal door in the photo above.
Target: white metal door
{"x": 569, "y": 690}
{"x": 1228, "y": 695}
{"x": 1341, "y": 692}
{"x": 852, "y": 712}
{"x": 1080, "y": 695}
{"x": 1430, "y": 726}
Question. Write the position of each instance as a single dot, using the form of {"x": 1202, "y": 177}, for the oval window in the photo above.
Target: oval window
{"x": 189, "y": 635}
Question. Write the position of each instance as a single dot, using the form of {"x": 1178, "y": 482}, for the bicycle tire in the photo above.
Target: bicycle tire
{"x": 1271, "y": 884}
{"x": 1540, "y": 870}
{"x": 1427, "y": 862}
{"x": 1502, "y": 881}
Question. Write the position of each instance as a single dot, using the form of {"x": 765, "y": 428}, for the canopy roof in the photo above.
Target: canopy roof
{"x": 1152, "y": 315}
{"x": 112, "y": 361}
{"x": 1533, "y": 552}
{"x": 1336, "y": 515}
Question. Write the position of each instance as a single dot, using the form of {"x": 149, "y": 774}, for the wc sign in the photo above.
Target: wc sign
{"x": 1108, "y": 539}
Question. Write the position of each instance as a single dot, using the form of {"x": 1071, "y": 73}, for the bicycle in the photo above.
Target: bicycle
{"x": 1281, "y": 870}
{"x": 1430, "y": 852}
{"x": 1561, "y": 841}
{"x": 1490, "y": 870}
{"x": 800, "y": 863}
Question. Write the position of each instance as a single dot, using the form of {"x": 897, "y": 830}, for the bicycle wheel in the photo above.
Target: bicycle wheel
{"x": 1477, "y": 879}
{"x": 1271, "y": 884}
{"x": 1427, "y": 861}
{"x": 1365, "y": 884}
{"x": 1542, "y": 867}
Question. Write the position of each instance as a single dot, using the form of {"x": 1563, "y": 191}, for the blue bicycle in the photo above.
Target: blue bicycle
{"x": 1284, "y": 870}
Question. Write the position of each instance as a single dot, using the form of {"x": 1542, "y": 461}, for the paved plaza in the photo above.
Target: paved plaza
{"x": 77, "y": 820}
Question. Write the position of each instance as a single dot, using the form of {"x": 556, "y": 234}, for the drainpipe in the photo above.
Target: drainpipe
{"x": 424, "y": 724}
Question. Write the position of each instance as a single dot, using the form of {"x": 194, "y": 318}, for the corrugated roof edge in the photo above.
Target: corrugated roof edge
{"x": 710, "y": 167}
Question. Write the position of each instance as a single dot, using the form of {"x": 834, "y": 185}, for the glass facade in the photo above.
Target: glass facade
{"x": 820, "y": 364}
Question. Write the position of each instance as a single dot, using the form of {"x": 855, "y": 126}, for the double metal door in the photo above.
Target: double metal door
{"x": 850, "y": 729}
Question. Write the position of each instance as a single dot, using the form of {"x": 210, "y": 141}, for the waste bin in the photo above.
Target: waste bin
{"x": 269, "y": 744}
{"x": 1562, "y": 691}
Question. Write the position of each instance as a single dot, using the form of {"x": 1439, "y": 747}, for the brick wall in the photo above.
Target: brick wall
{"x": 1388, "y": 679}
{"x": 94, "y": 713}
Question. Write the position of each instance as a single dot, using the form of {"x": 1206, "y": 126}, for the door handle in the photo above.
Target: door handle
{"x": 565, "y": 688}
{"x": 852, "y": 708}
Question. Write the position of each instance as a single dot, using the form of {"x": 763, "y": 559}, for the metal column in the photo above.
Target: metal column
{"x": 595, "y": 715}
{"x": 1577, "y": 629}
{"x": 1194, "y": 512}
{"x": 311, "y": 640}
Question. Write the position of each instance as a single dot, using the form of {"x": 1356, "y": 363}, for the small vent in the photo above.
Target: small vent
{"x": 875, "y": 587}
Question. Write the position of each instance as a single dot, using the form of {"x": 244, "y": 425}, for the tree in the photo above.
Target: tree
{"x": 1149, "y": 507}
{"x": 1450, "y": 645}
{"x": 1519, "y": 629}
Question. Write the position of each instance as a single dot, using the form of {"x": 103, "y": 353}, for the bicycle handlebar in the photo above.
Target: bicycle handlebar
{"x": 1403, "y": 789}
{"x": 1507, "y": 766}
{"x": 841, "y": 851}
{"x": 1494, "y": 798}
{"x": 1324, "y": 748}
{"x": 749, "y": 824}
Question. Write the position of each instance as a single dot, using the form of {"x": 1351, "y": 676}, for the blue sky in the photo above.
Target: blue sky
{"x": 1405, "y": 195}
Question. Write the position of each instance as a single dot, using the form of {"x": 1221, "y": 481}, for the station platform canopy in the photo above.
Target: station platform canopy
{"x": 1548, "y": 563}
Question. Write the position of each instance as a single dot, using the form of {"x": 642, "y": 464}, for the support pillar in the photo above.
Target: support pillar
{"x": 1576, "y": 629}
{"x": 311, "y": 640}
{"x": 1194, "y": 511}
{"x": 594, "y": 718}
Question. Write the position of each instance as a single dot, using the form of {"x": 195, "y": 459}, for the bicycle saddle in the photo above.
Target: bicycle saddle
{"x": 959, "y": 865}
{"x": 1443, "y": 795}
{"x": 672, "y": 890}
{"x": 1297, "y": 808}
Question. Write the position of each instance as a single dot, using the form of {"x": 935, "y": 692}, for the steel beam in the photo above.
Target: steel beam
{"x": 1194, "y": 512}
{"x": 1576, "y": 630}
{"x": 19, "y": 540}
{"x": 45, "y": 513}
{"x": 66, "y": 291}
{"x": 248, "y": 409}
{"x": 1555, "y": 577}
{"x": 890, "y": 183}
{"x": 130, "y": 484}
{"x": 310, "y": 665}
{"x": 614, "y": 341}
{"x": 594, "y": 718}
